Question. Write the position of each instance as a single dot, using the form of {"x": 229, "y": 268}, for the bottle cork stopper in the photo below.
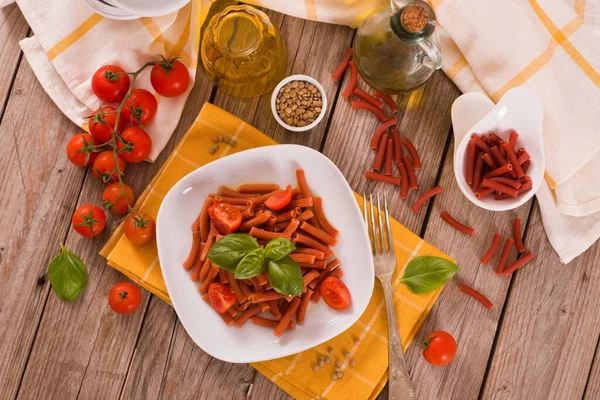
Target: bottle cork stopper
{"x": 414, "y": 18}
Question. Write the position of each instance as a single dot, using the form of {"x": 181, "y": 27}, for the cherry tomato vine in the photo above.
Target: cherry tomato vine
{"x": 108, "y": 84}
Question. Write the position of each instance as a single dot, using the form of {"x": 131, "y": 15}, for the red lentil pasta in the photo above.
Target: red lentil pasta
{"x": 301, "y": 221}
{"x": 502, "y": 168}
{"x": 456, "y": 225}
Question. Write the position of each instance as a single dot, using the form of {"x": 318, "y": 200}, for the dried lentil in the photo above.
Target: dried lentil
{"x": 299, "y": 103}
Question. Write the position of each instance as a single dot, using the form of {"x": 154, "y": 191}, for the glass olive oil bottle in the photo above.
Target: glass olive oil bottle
{"x": 242, "y": 52}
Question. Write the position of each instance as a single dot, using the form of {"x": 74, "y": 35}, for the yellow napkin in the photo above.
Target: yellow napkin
{"x": 294, "y": 373}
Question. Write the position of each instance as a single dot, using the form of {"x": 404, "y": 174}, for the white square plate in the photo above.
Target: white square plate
{"x": 273, "y": 164}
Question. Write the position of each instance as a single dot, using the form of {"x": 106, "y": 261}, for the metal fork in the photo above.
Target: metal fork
{"x": 384, "y": 258}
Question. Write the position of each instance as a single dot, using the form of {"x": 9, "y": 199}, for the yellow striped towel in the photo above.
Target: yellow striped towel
{"x": 293, "y": 373}
{"x": 553, "y": 48}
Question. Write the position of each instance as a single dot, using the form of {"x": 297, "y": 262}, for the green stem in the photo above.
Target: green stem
{"x": 116, "y": 136}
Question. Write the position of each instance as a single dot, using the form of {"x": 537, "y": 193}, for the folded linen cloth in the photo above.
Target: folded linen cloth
{"x": 553, "y": 48}
{"x": 294, "y": 374}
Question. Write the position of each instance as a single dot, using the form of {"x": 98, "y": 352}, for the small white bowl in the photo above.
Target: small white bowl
{"x": 520, "y": 109}
{"x": 284, "y": 82}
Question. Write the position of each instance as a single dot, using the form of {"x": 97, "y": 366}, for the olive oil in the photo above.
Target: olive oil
{"x": 242, "y": 52}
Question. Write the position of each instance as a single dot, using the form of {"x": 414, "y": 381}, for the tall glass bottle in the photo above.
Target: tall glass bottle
{"x": 396, "y": 48}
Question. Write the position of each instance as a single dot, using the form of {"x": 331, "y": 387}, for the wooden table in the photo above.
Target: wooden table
{"x": 538, "y": 342}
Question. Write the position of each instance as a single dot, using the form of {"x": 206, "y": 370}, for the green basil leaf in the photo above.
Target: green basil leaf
{"x": 67, "y": 275}
{"x": 251, "y": 265}
{"x": 229, "y": 251}
{"x": 285, "y": 276}
{"x": 278, "y": 248}
{"x": 427, "y": 273}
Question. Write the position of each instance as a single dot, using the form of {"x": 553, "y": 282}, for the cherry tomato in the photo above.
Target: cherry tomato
{"x": 439, "y": 348}
{"x": 102, "y": 124}
{"x": 335, "y": 293}
{"x": 80, "y": 149}
{"x": 226, "y": 217}
{"x": 139, "y": 228}
{"x": 88, "y": 220}
{"x": 110, "y": 83}
{"x": 279, "y": 201}
{"x": 104, "y": 169}
{"x": 137, "y": 145}
{"x": 170, "y": 78}
{"x": 220, "y": 297}
{"x": 139, "y": 109}
{"x": 124, "y": 298}
{"x": 116, "y": 200}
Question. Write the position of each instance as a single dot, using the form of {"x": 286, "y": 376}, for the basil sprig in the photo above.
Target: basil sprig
{"x": 229, "y": 250}
{"x": 427, "y": 273}
{"x": 67, "y": 275}
{"x": 240, "y": 253}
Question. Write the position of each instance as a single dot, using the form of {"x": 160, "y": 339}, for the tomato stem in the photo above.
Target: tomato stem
{"x": 116, "y": 136}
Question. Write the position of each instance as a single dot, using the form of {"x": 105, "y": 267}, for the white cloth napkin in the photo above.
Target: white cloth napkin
{"x": 71, "y": 42}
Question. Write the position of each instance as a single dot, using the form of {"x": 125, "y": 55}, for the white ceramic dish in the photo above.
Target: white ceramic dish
{"x": 106, "y": 9}
{"x": 519, "y": 109}
{"x": 150, "y": 8}
{"x": 284, "y": 82}
{"x": 265, "y": 164}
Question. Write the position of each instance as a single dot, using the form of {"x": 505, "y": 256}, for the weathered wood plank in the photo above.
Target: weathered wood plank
{"x": 263, "y": 388}
{"x": 425, "y": 120}
{"x": 97, "y": 347}
{"x": 593, "y": 384}
{"x": 551, "y": 326}
{"x": 36, "y": 212}
{"x": 13, "y": 28}
{"x": 147, "y": 367}
{"x": 472, "y": 325}
{"x": 314, "y": 59}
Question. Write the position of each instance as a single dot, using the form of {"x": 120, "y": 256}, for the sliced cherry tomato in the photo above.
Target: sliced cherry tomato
{"x": 139, "y": 228}
{"x": 104, "y": 169}
{"x": 226, "y": 217}
{"x": 280, "y": 200}
{"x": 116, "y": 200}
{"x": 124, "y": 298}
{"x": 80, "y": 149}
{"x": 137, "y": 145}
{"x": 88, "y": 220}
{"x": 110, "y": 83}
{"x": 102, "y": 124}
{"x": 170, "y": 78}
{"x": 335, "y": 293}
{"x": 439, "y": 348}
{"x": 220, "y": 297}
{"x": 140, "y": 107}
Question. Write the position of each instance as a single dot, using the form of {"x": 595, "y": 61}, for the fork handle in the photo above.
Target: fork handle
{"x": 401, "y": 386}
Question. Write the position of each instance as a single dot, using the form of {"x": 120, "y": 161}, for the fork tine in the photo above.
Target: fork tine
{"x": 381, "y": 230}
{"x": 390, "y": 239}
{"x": 374, "y": 232}
{"x": 365, "y": 216}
